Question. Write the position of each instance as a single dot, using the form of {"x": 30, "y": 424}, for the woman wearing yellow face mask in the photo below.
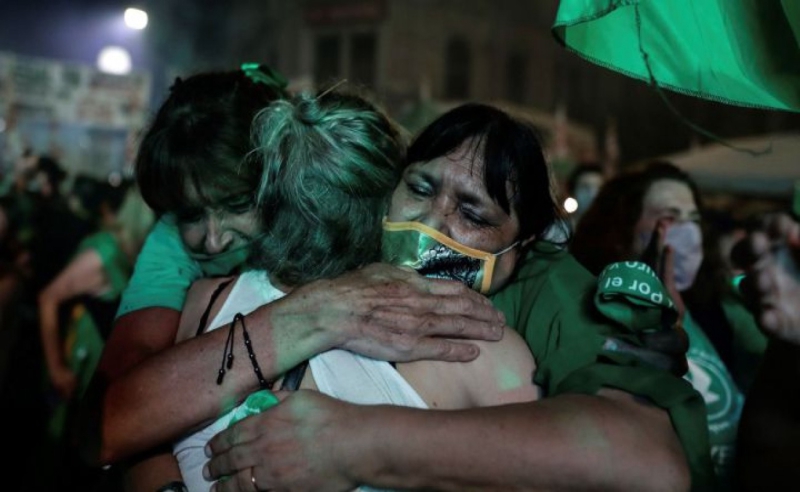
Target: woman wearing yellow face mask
{"x": 474, "y": 204}
{"x": 330, "y": 164}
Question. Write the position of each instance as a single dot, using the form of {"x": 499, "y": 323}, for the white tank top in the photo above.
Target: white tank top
{"x": 337, "y": 373}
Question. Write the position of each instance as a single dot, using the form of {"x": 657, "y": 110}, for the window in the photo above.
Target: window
{"x": 516, "y": 67}
{"x": 458, "y": 66}
{"x": 363, "y": 49}
{"x": 327, "y": 58}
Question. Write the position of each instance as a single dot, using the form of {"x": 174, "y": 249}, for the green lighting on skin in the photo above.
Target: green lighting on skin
{"x": 509, "y": 380}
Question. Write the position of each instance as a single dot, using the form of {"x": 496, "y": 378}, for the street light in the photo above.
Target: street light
{"x": 114, "y": 59}
{"x": 135, "y": 18}
{"x": 570, "y": 205}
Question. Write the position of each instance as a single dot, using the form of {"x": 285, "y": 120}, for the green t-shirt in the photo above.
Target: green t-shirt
{"x": 116, "y": 264}
{"x": 551, "y": 303}
{"x": 163, "y": 273}
{"x": 165, "y": 269}
{"x": 722, "y": 397}
{"x": 84, "y": 342}
{"x": 749, "y": 342}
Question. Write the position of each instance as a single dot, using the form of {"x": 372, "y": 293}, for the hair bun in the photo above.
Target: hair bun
{"x": 308, "y": 110}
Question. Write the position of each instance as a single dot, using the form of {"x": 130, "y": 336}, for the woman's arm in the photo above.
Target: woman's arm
{"x": 150, "y": 472}
{"x": 380, "y": 311}
{"x": 83, "y": 275}
{"x": 568, "y": 442}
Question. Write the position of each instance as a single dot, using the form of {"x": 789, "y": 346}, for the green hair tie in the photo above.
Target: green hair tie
{"x": 263, "y": 74}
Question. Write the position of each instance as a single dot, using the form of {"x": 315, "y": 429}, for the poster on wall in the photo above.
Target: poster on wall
{"x": 77, "y": 113}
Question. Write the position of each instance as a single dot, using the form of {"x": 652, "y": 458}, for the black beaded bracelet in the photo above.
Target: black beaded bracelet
{"x": 249, "y": 346}
{"x": 227, "y": 354}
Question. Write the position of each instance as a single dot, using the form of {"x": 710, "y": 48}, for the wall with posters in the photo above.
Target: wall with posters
{"x": 83, "y": 116}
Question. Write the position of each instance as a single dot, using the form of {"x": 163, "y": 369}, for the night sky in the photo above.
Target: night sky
{"x": 72, "y": 30}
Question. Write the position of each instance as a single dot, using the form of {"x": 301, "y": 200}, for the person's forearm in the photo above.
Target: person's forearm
{"x": 151, "y": 472}
{"x": 176, "y": 391}
{"x": 48, "y": 330}
{"x": 562, "y": 443}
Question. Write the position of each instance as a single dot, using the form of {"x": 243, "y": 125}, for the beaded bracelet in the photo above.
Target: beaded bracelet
{"x": 227, "y": 354}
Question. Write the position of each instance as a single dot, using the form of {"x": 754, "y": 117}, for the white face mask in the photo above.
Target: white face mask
{"x": 435, "y": 255}
{"x": 686, "y": 241}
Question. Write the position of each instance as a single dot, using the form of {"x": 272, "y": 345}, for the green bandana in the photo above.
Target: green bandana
{"x": 254, "y": 404}
{"x": 630, "y": 293}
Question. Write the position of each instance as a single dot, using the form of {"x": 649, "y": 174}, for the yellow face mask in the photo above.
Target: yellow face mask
{"x": 434, "y": 255}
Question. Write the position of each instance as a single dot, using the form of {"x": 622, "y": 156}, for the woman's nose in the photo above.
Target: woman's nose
{"x": 218, "y": 238}
{"x": 437, "y": 216}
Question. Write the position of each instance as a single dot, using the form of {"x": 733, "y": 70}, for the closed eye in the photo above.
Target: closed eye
{"x": 475, "y": 218}
{"x": 419, "y": 190}
{"x": 239, "y": 206}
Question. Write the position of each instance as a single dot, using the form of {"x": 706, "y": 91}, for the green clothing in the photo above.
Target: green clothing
{"x": 723, "y": 399}
{"x": 749, "y": 342}
{"x": 84, "y": 342}
{"x": 165, "y": 269}
{"x": 551, "y": 304}
{"x": 163, "y": 273}
{"x": 737, "y": 52}
{"x": 116, "y": 264}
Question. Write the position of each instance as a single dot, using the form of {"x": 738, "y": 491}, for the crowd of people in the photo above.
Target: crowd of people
{"x": 68, "y": 246}
{"x": 327, "y": 303}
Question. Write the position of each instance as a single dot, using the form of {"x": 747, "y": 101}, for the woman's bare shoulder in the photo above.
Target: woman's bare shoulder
{"x": 502, "y": 373}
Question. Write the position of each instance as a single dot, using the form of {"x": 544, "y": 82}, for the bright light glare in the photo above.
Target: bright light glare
{"x": 570, "y": 205}
{"x": 135, "y": 18}
{"x": 114, "y": 59}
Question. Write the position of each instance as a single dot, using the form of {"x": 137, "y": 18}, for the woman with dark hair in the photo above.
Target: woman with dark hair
{"x": 583, "y": 184}
{"x": 725, "y": 343}
{"x": 391, "y": 313}
{"x": 196, "y": 169}
{"x": 76, "y": 311}
{"x": 330, "y": 165}
{"x": 475, "y": 204}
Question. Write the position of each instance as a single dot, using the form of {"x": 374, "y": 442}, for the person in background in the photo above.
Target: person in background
{"x": 658, "y": 208}
{"x": 14, "y": 274}
{"x": 48, "y": 232}
{"x": 57, "y": 230}
{"x": 769, "y": 430}
{"x": 90, "y": 285}
{"x": 583, "y": 184}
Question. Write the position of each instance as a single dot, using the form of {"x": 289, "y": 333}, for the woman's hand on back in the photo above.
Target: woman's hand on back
{"x": 394, "y": 314}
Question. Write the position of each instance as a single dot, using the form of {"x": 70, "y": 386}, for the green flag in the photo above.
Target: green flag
{"x": 741, "y": 52}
